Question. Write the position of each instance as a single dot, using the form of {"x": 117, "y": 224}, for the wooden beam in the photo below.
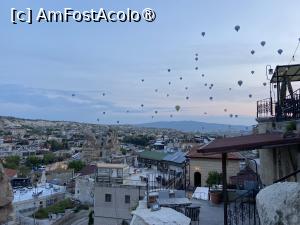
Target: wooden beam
{"x": 224, "y": 185}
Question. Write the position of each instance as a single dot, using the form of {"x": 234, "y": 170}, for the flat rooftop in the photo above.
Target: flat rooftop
{"x": 25, "y": 194}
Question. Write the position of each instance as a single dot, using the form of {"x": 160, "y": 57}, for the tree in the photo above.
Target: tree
{"x": 23, "y": 171}
{"x": 77, "y": 165}
{"x": 32, "y": 161}
{"x": 12, "y": 162}
{"x": 49, "y": 158}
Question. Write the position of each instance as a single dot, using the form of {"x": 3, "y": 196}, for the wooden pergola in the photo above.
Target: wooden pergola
{"x": 244, "y": 143}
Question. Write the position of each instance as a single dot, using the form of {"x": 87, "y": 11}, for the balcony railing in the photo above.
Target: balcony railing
{"x": 287, "y": 109}
{"x": 265, "y": 108}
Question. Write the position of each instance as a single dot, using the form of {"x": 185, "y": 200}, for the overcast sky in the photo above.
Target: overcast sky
{"x": 42, "y": 65}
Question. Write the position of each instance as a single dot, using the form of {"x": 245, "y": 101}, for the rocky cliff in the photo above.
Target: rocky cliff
{"x": 6, "y": 196}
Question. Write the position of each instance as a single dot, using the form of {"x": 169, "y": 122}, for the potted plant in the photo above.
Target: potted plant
{"x": 214, "y": 178}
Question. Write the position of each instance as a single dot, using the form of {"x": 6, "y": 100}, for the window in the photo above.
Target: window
{"x": 127, "y": 199}
{"x": 107, "y": 197}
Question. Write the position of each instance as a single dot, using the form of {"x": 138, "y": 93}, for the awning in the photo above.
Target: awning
{"x": 248, "y": 142}
{"x": 290, "y": 72}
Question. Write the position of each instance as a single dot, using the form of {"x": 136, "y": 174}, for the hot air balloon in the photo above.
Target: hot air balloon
{"x": 250, "y": 96}
{"x": 152, "y": 117}
{"x": 196, "y": 68}
{"x": 127, "y": 111}
{"x": 262, "y": 43}
{"x": 252, "y": 71}
{"x": 252, "y": 52}
{"x": 279, "y": 51}
{"x": 240, "y": 83}
{"x": 177, "y": 107}
{"x": 156, "y": 90}
{"x": 237, "y": 28}
{"x": 103, "y": 94}
{"x": 73, "y": 95}
{"x": 142, "y": 105}
{"x": 169, "y": 82}
{"x": 156, "y": 111}
{"x": 196, "y": 59}
{"x": 169, "y": 70}
{"x": 118, "y": 121}
{"x": 98, "y": 119}
{"x": 205, "y": 113}
{"x": 186, "y": 88}
{"x": 210, "y": 87}
{"x": 142, "y": 80}
{"x": 202, "y": 75}
{"x": 171, "y": 115}
{"x": 211, "y": 98}
{"x": 205, "y": 84}
{"x": 225, "y": 110}
{"x": 236, "y": 116}
{"x": 103, "y": 113}
{"x": 187, "y": 98}
{"x": 264, "y": 83}
{"x": 180, "y": 78}
{"x": 203, "y": 34}
{"x": 231, "y": 115}
{"x": 168, "y": 95}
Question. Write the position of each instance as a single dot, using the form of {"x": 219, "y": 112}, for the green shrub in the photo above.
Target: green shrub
{"x": 213, "y": 178}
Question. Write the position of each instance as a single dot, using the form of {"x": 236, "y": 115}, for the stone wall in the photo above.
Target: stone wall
{"x": 204, "y": 166}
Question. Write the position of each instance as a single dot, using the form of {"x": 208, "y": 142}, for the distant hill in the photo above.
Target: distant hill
{"x": 194, "y": 126}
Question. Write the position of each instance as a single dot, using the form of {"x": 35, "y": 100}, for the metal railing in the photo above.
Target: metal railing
{"x": 242, "y": 210}
{"x": 293, "y": 174}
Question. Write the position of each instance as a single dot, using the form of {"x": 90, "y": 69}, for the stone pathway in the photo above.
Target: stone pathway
{"x": 210, "y": 214}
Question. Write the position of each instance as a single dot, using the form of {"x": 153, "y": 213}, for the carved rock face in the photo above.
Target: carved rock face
{"x": 6, "y": 196}
{"x": 279, "y": 204}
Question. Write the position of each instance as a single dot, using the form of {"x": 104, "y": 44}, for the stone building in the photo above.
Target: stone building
{"x": 201, "y": 165}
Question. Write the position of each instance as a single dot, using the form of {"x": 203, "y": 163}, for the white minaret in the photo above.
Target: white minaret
{"x": 43, "y": 178}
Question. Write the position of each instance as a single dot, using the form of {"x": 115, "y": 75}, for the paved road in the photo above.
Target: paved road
{"x": 80, "y": 218}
